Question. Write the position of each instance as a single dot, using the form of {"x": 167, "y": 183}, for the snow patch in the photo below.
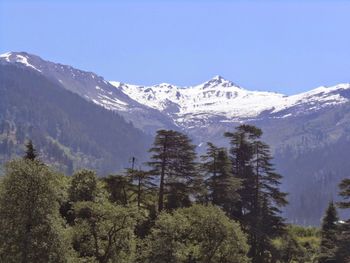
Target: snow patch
{"x": 24, "y": 60}
{"x": 221, "y": 98}
{"x": 6, "y": 56}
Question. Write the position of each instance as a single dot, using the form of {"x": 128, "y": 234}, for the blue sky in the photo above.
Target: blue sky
{"x": 283, "y": 46}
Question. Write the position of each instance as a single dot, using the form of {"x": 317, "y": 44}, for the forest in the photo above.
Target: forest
{"x": 224, "y": 206}
{"x": 68, "y": 130}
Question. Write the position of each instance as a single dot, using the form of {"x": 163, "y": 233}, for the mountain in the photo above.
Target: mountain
{"x": 70, "y": 131}
{"x": 93, "y": 88}
{"x": 308, "y": 132}
{"x": 222, "y": 99}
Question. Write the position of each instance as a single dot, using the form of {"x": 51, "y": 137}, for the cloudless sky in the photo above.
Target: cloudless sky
{"x": 284, "y": 46}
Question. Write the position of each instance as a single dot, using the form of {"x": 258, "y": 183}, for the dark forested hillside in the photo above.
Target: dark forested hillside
{"x": 312, "y": 179}
{"x": 69, "y": 131}
{"x": 311, "y": 151}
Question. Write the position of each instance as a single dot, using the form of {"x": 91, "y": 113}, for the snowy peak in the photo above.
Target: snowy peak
{"x": 169, "y": 98}
{"x": 94, "y": 88}
{"x": 20, "y": 57}
{"x": 217, "y": 81}
{"x": 221, "y": 98}
{"x": 216, "y": 100}
{"x": 87, "y": 84}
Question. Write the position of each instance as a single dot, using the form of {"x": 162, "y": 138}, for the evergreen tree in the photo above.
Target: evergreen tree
{"x": 345, "y": 193}
{"x": 221, "y": 185}
{"x": 328, "y": 235}
{"x": 343, "y": 252}
{"x": 173, "y": 162}
{"x": 261, "y": 199}
{"x": 119, "y": 188}
{"x": 30, "y": 153}
{"x": 143, "y": 187}
{"x": 266, "y": 202}
{"x": 241, "y": 154}
{"x": 30, "y": 226}
{"x": 84, "y": 186}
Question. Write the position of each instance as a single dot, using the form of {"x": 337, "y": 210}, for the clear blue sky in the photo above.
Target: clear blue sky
{"x": 284, "y": 46}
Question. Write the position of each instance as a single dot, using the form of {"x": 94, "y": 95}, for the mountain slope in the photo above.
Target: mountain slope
{"x": 220, "y": 98}
{"x": 309, "y": 132}
{"x": 70, "y": 131}
{"x": 93, "y": 88}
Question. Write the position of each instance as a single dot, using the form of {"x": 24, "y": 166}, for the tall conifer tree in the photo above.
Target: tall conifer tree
{"x": 343, "y": 237}
{"x": 328, "y": 235}
{"x": 173, "y": 162}
{"x": 221, "y": 185}
{"x": 30, "y": 153}
{"x": 261, "y": 198}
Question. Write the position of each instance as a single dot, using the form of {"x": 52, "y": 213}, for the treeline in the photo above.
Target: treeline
{"x": 224, "y": 208}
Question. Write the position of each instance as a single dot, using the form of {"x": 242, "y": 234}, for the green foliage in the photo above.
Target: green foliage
{"x": 329, "y": 230}
{"x": 30, "y": 151}
{"x": 342, "y": 253}
{"x": 83, "y": 186}
{"x": 104, "y": 232}
{"x": 30, "y": 226}
{"x": 288, "y": 249}
{"x": 115, "y": 219}
{"x": 143, "y": 189}
{"x": 260, "y": 197}
{"x": 298, "y": 244}
{"x": 70, "y": 132}
{"x": 173, "y": 162}
{"x": 221, "y": 185}
{"x": 345, "y": 193}
{"x": 204, "y": 233}
{"x": 118, "y": 187}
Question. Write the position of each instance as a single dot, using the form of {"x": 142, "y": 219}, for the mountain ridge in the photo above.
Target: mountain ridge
{"x": 308, "y": 132}
{"x": 166, "y": 105}
{"x": 225, "y": 99}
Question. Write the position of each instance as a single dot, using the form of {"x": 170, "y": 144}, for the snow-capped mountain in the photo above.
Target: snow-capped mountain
{"x": 221, "y": 98}
{"x": 93, "y": 88}
{"x": 88, "y": 84}
{"x": 308, "y": 132}
{"x": 168, "y": 106}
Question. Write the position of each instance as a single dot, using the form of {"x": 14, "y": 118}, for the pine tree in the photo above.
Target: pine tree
{"x": 261, "y": 198}
{"x": 241, "y": 154}
{"x": 30, "y": 153}
{"x": 267, "y": 200}
{"x": 143, "y": 186}
{"x": 342, "y": 254}
{"x": 173, "y": 162}
{"x": 328, "y": 235}
{"x": 119, "y": 188}
{"x": 343, "y": 237}
{"x": 222, "y": 186}
{"x": 345, "y": 193}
